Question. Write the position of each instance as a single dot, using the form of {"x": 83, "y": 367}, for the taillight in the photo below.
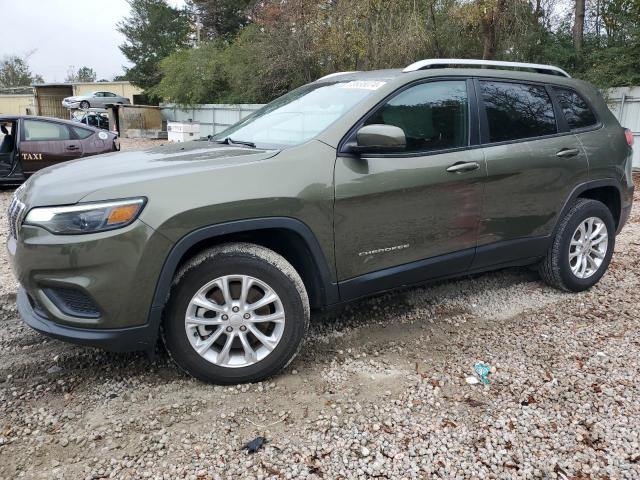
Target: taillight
{"x": 629, "y": 136}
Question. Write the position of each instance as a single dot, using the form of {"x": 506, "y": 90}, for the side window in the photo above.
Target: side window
{"x": 109, "y": 94}
{"x": 576, "y": 110}
{"x": 433, "y": 115}
{"x": 517, "y": 110}
{"x": 82, "y": 132}
{"x": 36, "y": 130}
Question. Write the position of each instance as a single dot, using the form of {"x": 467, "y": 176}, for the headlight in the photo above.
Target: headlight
{"x": 86, "y": 217}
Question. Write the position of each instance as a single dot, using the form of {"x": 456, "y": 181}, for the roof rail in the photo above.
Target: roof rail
{"x": 331, "y": 75}
{"x": 445, "y": 62}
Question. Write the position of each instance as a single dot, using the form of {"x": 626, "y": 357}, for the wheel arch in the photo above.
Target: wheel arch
{"x": 609, "y": 195}
{"x": 288, "y": 237}
{"x": 607, "y": 191}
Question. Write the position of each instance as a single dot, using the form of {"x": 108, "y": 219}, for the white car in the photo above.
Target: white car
{"x": 94, "y": 99}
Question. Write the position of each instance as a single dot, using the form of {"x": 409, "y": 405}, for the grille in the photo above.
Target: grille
{"x": 73, "y": 302}
{"x": 16, "y": 211}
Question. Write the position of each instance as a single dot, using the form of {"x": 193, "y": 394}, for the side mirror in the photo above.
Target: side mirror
{"x": 379, "y": 138}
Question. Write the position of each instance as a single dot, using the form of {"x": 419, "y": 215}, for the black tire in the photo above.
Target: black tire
{"x": 555, "y": 269}
{"x": 84, "y": 104}
{"x": 236, "y": 259}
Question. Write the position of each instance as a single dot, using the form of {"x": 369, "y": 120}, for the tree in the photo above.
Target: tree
{"x": 83, "y": 74}
{"x": 489, "y": 21}
{"x": 193, "y": 76}
{"x": 15, "y": 72}
{"x": 484, "y": 18}
{"x": 279, "y": 45}
{"x": 578, "y": 24}
{"x": 153, "y": 31}
{"x": 221, "y": 18}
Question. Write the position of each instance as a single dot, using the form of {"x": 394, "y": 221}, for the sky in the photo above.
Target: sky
{"x": 62, "y": 33}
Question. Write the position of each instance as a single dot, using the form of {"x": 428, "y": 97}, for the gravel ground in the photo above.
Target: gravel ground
{"x": 139, "y": 143}
{"x": 379, "y": 390}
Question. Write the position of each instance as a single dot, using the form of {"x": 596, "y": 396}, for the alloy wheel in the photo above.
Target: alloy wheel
{"x": 235, "y": 321}
{"x": 588, "y": 247}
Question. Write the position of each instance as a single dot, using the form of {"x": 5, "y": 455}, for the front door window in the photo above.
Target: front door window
{"x": 433, "y": 116}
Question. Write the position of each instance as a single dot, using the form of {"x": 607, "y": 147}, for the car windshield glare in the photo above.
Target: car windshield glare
{"x": 301, "y": 114}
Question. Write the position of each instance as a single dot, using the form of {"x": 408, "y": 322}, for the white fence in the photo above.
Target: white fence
{"x": 213, "y": 118}
{"x": 624, "y": 102}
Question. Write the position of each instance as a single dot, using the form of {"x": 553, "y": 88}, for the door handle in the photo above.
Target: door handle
{"x": 73, "y": 147}
{"x": 568, "y": 152}
{"x": 463, "y": 167}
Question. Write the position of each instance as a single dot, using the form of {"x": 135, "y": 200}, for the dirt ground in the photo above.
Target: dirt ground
{"x": 379, "y": 390}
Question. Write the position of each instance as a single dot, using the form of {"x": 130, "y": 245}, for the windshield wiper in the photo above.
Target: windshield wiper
{"x": 230, "y": 141}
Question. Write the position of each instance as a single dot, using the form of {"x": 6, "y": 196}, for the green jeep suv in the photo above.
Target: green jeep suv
{"x": 355, "y": 184}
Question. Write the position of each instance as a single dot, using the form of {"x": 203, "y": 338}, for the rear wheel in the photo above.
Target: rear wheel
{"x": 582, "y": 248}
{"x": 237, "y": 313}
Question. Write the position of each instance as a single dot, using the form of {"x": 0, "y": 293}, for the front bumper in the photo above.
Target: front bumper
{"x": 114, "y": 340}
{"x": 111, "y": 276}
{"x": 70, "y": 104}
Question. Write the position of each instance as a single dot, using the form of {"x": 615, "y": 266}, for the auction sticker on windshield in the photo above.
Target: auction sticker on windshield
{"x": 364, "y": 84}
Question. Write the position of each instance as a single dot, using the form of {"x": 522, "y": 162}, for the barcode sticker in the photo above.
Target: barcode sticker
{"x": 364, "y": 84}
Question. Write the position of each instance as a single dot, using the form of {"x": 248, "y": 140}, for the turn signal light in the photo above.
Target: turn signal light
{"x": 122, "y": 214}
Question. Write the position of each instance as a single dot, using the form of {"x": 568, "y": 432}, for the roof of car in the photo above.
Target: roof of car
{"x": 397, "y": 74}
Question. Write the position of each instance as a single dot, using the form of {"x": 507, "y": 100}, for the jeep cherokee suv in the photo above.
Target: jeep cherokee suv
{"x": 354, "y": 184}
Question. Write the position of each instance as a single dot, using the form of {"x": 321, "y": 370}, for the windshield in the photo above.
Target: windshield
{"x": 299, "y": 115}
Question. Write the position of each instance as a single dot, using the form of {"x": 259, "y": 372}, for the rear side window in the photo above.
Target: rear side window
{"x": 433, "y": 115}
{"x": 517, "y": 110}
{"x": 576, "y": 110}
{"x": 82, "y": 132}
{"x": 36, "y": 130}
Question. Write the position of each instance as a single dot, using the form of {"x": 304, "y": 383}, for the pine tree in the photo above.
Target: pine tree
{"x": 152, "y": 31}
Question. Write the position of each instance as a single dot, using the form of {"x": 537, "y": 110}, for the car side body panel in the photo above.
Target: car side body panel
{"x": 392, "y": 211}
{"x": 354, "y": 214}
{"x": 252, "y": 185}
{"x": 609, "y": 155}
{"x": 36, "y": 155}
{"x": 527, "y": 185}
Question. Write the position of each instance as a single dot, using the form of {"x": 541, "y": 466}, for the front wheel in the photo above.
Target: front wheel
{"x": 237, "y": 313}
{"x": 582, "y": 247}
{"x": 84, "y": 105}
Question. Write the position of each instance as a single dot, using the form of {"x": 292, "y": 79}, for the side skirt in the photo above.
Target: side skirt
{"x": 511, "y": 253}
{"x": 413, "y": 273}
{"x": 518, "y": 250}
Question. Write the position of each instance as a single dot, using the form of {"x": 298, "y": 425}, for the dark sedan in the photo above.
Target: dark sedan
{"x": 28, "y": 144}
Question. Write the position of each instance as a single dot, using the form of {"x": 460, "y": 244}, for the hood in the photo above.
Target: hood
{"x": 69, "y": 182}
